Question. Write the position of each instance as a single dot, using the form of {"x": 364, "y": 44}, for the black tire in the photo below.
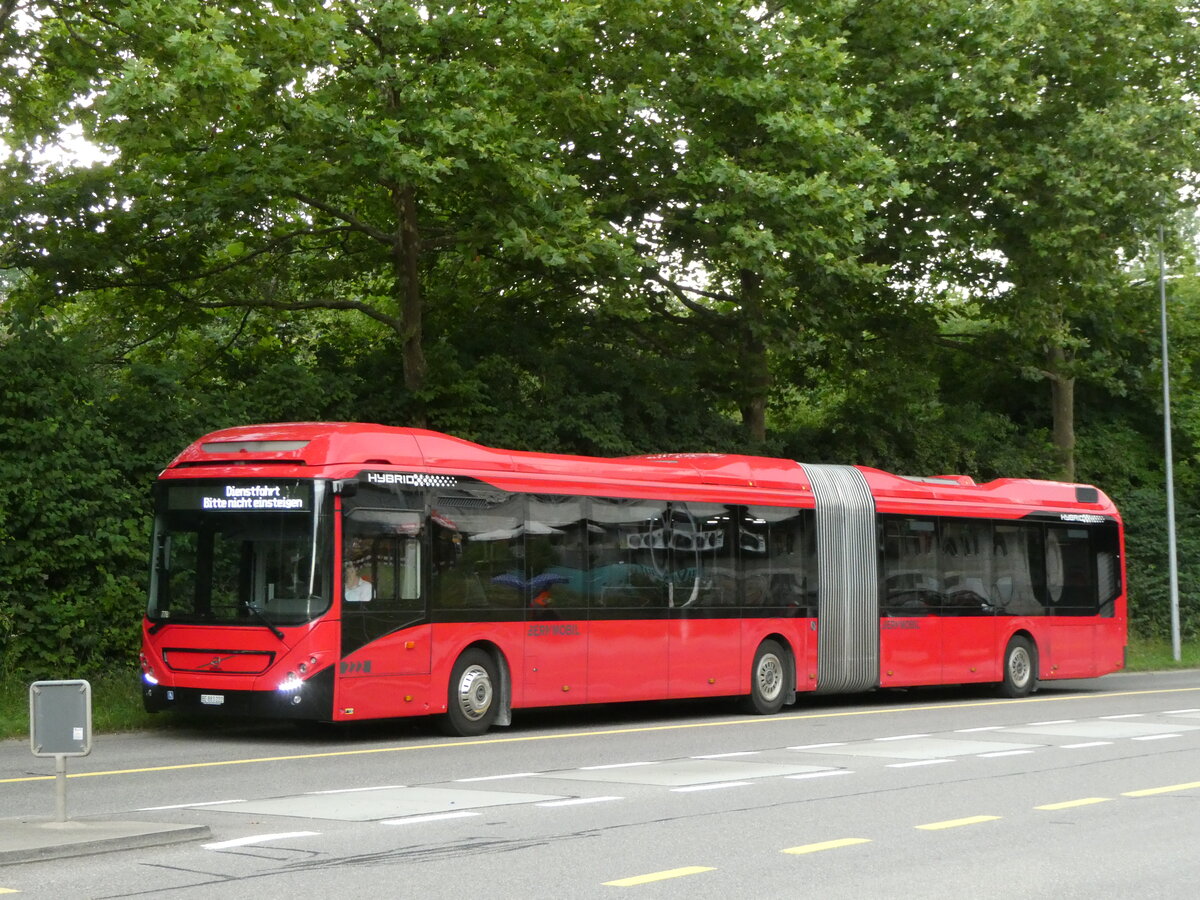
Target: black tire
{"x": 768, "y": 680}
{"x": 1020, "y": 668}
{"x": 473, "y": 696}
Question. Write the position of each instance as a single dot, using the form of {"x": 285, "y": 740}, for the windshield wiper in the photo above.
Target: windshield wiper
{"x": 267, "y": 623}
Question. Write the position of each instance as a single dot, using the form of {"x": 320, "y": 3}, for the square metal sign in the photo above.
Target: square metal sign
{"x": 60, "y": 718}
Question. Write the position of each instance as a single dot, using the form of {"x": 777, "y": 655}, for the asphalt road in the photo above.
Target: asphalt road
{"x": 1087, "y": 788}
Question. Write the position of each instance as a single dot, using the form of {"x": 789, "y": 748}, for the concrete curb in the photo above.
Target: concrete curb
{"x": 32, "y": 840}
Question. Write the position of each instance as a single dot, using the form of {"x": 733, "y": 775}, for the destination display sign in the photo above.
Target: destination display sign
{"x": 241, "y": 496}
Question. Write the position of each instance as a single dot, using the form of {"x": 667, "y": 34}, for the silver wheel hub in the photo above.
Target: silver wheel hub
{"x": 475, "y": 693}
{"x": 1019, "y": 666}
{"x": 769, "y": 676}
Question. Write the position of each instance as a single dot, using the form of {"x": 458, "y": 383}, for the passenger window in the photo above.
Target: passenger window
{"x": 966, "y": 559}
{"x": 556, "y": 555}
{"x": 1069, "y": 584}
{"x": 381, "y": 574}
{"x": 911, "y": 570}
{"x": 478, "y": 550}
{"x": 703, "y": 556}
{"x": 777, "y": 548}
{"x": 1108, "y": 567}
{"x": 1017, "y": 569}
{"x": 628, "y": 549}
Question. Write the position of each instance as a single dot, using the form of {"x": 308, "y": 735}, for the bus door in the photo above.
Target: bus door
{"x": 381, "y": 595}
{"x": 556, "y": 597}
{"x": 628, "y": 600}
{"x": 704, "y": 631}
{"x": 969, "y": 624}
{"x": 910, "y": 624}
{"x": 1071, "y": 600}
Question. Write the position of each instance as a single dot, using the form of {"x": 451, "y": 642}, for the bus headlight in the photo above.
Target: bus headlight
{"x": 147, "y": 670}
{"x": 290, "y": 684}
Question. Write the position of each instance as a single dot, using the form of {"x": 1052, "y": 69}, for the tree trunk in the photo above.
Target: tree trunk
{"x": 1062, "y": 405}
{"x": 753, "y": 361}
{"x": 406, "y": 264}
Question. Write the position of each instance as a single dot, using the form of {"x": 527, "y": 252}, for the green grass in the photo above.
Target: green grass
{"x": 1154, "y": 655}
{"x": 116, "y": 705}
{"x": 117, "y": 701}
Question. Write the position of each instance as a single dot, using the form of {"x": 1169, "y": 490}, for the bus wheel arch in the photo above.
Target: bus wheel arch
{"x": 478, "y": 692}
{"x": 772, "y": 678}
{"x": 1019, "y": 666}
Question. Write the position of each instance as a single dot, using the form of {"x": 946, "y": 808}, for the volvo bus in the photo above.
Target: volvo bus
{"x": 342, "y": 572}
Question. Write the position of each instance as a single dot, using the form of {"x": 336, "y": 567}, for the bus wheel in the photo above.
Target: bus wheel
{"x": 1020, "y": 668}
{"x": 768, "y": 680}
{"x": 472, "y": 703}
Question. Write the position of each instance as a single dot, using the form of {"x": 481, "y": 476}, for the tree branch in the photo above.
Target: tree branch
{"x": 357, "y": 224}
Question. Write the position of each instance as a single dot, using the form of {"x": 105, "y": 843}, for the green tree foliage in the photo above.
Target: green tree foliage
{"x": 1045, "y": 139}
{"x": 296, "y": 156}
{"x": 72, "y": 535}
{"x": 366, "y": 156}
{"x": 845, "y": 230}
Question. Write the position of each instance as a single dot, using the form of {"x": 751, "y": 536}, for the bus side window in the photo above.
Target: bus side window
{"x": 966, "y": 561}
{"x": 1106, "y": 540}
{"x": 1017, "y": 569}
{"x": 911, "y": 573}
{"x": 478, "y": 550}
{"x": 1070, "y": 584}
{"x": 628, "y": 545}
{"x": 556, "y": 554}
{"x": 777, "y": 561}
{"x": 381, "y": 587}
{"x": 703, "y": 558}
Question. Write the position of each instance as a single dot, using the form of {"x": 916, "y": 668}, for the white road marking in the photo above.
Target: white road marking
{"x": 259, "y": 839}
{"x": 709, "y": 787}
{"x": 579, "y": 801}
{"x": 1003, "y": 753}
{"x": 187, "y": 805}
{"x": 727, "y": 755}
{"x": 434, "y": 817}
{"x": 386, "y": 787}
{"x": 628, "y": 765}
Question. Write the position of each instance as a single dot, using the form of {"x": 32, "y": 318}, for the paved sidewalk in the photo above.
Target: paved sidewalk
{"x": 34, "y": 838}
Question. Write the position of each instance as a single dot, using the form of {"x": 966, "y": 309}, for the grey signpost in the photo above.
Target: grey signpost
{"x": 60, "y": 725}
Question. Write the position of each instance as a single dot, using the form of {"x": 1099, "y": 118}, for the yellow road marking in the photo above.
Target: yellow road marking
{"x": 1068, "y": 804}
{"x": 442, "y": 746}
{"x": 826, "y": 845}
{"x": 955, "y": 823}
{"x": 9, "y": 891}
{"x": 1191, "y": 785}
{"x": 658, "y": 876}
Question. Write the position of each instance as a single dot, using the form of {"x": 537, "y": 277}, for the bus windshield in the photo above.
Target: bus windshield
{"x": 241, "y": 553}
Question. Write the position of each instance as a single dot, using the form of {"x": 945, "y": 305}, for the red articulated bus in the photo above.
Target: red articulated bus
{"x": 340, "y": 572}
